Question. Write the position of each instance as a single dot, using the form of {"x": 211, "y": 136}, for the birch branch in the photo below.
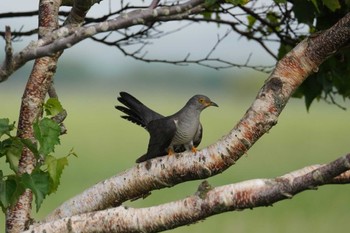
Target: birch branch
{"x": 207, "y": 201}
{"x": 262, "y": 115}
{"x": 69, "y": 35}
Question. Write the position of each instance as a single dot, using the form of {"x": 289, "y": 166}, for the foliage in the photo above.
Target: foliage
{"x": 333, "y": 75}
{"x": 288, "y": 22}
{"x": 44, "y": 180}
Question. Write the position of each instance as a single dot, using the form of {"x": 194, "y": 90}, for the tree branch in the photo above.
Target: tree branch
{"x": 207, "y": 201}
{"x": 68, "y": 36}
{"x": 262, "y": 115}
{"x": 79, "y": 10}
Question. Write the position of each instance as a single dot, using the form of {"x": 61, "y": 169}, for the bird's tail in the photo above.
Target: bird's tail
{"x": 136, "y": 111}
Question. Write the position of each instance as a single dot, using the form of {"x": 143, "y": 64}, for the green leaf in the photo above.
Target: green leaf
{"x": 53, "y": 107}
{"x": 4, "y": 146}
{"x": 12, "y": 148}
{"x": 237, "y": 2}
{"x": 5, "y": 126}
{"x": 209, "y": 2}
{"x": 55, "y": 168}
{"x": 272, "y": 17}
{"x": 38, "y": 182}
{"x": 333, "y": 5}
{"x": 305, "y": 11}
{"x": 10, "y": 190}
{"x": 314, "y": 2}
{"x": 47, "y": 133}
{"x": 280, "y": 1}
{"x": 251, "y": 21}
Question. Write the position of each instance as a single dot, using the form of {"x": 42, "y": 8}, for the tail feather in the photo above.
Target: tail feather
{"x": 130, "y": 115}
{"x": 135, "y": 110}
{"x": 133, "y": 120}
{"x": 129, "y": 100}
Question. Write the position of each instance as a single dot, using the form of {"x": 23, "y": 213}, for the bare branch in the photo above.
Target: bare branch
{"x": 67, "y": 36}
{"x": 214, "y": 63}
{"x": 219, "y": 40}
{"x": 60, "y": 117}
{"x": 207, "y": 201}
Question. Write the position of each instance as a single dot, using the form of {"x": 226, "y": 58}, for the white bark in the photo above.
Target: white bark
{"x": 207, "y": 201}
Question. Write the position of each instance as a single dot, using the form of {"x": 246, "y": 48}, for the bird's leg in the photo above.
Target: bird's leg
{"x": 194, "y": 149}
{"x": 170, "y": 150}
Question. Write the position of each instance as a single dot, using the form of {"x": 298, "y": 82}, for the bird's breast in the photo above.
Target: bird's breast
{"x": 185, "y": 130}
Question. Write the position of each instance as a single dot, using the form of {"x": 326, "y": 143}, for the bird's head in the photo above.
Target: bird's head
{"x": 201, "y": 102}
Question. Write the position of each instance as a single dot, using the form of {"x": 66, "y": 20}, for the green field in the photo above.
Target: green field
{"x": 107, "y": 145}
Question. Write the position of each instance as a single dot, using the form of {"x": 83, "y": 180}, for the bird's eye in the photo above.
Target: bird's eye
{"x": 201, "y": 100}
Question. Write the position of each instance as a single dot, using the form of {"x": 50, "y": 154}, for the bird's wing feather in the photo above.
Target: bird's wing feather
{"x": 162, "y": 131}
{"x": 198, "y": 136}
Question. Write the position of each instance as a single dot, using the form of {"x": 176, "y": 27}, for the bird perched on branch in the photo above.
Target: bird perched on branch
{"x": 176, "y": 133}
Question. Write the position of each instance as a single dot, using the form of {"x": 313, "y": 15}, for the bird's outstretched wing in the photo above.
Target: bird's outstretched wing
{"x": 161, "y": 131}
{"x": 136, "y": 111}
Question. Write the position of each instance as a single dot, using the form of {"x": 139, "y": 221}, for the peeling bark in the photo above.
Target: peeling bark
{"x": 205, "y": 202}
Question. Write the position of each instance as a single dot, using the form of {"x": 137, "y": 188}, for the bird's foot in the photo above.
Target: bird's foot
{"x": 194, "y": 149}
{"x": 170, "y": 151}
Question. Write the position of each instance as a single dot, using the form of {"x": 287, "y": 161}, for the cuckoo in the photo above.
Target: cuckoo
{"x": 175, "y": 133}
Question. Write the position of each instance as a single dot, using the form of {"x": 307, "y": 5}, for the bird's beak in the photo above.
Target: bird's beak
{"x": 212, "y": 104}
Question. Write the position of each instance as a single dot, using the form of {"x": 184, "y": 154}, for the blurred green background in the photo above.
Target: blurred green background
{"x": 107, "y": 144}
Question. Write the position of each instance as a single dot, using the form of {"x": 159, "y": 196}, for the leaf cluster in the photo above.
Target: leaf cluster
{"x": 332, "y": 78}
{"x": 45, "y": 178}
{"x": 288, "y": 22}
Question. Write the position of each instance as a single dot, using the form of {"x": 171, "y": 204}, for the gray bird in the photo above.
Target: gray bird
{"x": 176, "y": 133}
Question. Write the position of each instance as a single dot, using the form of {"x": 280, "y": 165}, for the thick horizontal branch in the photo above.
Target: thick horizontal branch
{"x": 68, "y": 36}
{"x": 168, "y": 171}
{"x": 206, "y": 202}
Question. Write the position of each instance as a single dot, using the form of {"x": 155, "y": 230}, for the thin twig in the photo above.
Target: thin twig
{"x": 154, "y": 4}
